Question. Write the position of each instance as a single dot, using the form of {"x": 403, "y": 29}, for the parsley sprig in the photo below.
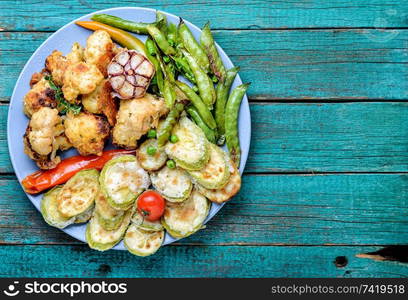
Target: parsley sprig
{"x": 63, "y": 105}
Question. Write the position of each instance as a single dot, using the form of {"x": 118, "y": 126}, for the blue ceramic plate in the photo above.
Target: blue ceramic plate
{"x": 62, "y": 40}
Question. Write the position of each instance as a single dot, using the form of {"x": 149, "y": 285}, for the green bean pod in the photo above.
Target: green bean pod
{"x": 202, "y": 109}
{"x": 231, "y": 121}
{"x": 189, "y": 42}
{"x": 136, "y": 27}
{"x": 207, "y": 42}
{"x": 222, "y": 97}
{"x": 167, "y": 126}
{"x": 203, "y": 82}
{"x": 209, "y": 133}
{"x": 160, "y": 39}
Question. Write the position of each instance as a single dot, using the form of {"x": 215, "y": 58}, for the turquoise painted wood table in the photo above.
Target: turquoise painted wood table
{"x": 325, "y": 190}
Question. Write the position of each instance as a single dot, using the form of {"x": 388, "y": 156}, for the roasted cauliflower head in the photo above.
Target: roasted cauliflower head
{"x": 100, "y": 101}
{"x": 135, "y": 117}
{"x": 56, "y": 63}
{"x": 40, "y": 95}
{"x": 80, "y": 78}
{"x": 44, "y": 136}
{"x": 87, "y": 132}
{"x": 99, "y": 50}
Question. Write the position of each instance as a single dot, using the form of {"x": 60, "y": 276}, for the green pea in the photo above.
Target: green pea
{"x": 151, "y": 150}
{"x": 151, "y": 134}
{"x": 174, "y": 139}
{"x": 171, "y": 164}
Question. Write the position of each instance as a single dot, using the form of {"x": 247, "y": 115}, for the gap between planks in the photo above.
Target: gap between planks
{"x": 255, "y": 28}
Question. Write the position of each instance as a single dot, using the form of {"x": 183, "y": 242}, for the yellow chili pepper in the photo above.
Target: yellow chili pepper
{"x": 123, "y": 38}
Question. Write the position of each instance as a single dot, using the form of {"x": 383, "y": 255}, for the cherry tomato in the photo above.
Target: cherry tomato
{"x": 151, "y": 205}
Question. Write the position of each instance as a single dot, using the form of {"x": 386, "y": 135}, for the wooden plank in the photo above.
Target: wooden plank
{"x": 269, "y": 210}
{"x": 300, "y": 64}
{"x": 223, "y": 14}
{"x": 300, "y": 137}
{"x": 199, "y": 261}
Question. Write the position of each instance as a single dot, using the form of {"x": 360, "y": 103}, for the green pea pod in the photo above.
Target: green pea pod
{"x": 198, "y": 104}
{"x": 150, "y": 46}
{"x": 169, "y": 93}
{"x": 167, "y": 126}
{"x": 160, "y": 39}
{"x": 222, "y": 97}
{"x": 136, "y": 27}
{"x": 161, "y": 22}
{"x": 209, "y": 133}
{"x": 183, "y": 67}
{"x": 207, "y": 42}
{"x": 189, "y": 42}
{"x": 204, "y": 83}
{"x": 172, "y": 34}
{"x": 231, "y": 121}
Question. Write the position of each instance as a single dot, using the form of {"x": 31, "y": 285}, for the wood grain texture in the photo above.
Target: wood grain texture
{"x": 300, "y": 64}
{"x": 223, "y": 14}
{"x": 300, "y": 137}
{"x": 269, "y": 210}
{"x": 203, "y": 261}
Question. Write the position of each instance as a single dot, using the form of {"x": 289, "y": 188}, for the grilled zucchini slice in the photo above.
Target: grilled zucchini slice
{"x": 144, "y": 224}
{"x": 185, "y": 218}
{"x": 99, "y": 238}
{"x": 228, "y": 191}
{"x": 151, "y": 162}
{"x": 122, "y": 180}
{"x": 191, "y": 152}
{"x": 142, "y": 243}
{"x": 173, "y": 184}
{"x": 85, "y": 216}
{"x": 216, "y": 173}
{"x": 79, "y": 193}
{"x": 108, "y": 217}
{"x": 50, "y": 212}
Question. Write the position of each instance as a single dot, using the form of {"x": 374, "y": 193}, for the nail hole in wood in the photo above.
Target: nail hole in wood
{"x": 341, "y": 261}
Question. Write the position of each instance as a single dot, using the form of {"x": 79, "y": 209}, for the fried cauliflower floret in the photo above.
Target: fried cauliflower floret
{"x": 99, "y": 50}
{"x": 43, "y": 137}
{"x": 100, "y": 101}
{"x": 56, "y": 63}
{"x": 87, "y": 132}
{"x": 135, "y": 118}
{"x": 40, "y": 95}
{"x": 80, "y": 78}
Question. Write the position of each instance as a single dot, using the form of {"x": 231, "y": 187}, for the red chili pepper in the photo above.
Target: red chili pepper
{"x": 42, "y": 180}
